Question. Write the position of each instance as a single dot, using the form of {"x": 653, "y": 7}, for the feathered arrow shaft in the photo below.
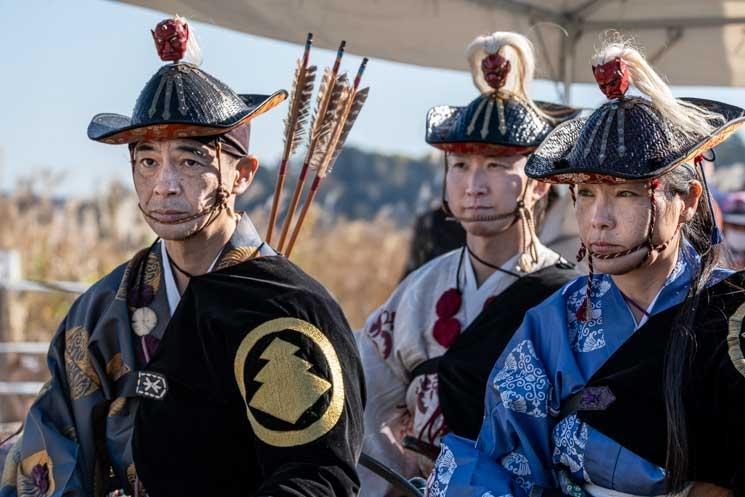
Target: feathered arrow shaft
{"x": 295, "y": 123}
{"x": 328, "y": 94}
{"x": 350, "y": 107}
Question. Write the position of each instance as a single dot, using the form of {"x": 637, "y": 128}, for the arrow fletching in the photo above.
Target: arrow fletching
{"x": 299, "y": 111}
{"x": 323, "y": 129}
{"x": 354, "y": 103}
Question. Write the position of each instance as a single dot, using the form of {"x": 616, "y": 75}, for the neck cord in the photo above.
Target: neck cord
{"x": 631, "y": 301}
{"x": 178, "y": 268}
{"x": 189, "y": 275}
{"x": 450, "y": 216}
{"x": 488, "y": 264}
{"x": 457, "y": 272}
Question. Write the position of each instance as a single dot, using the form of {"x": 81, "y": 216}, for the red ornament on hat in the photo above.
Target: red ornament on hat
{"x": 447, "y": 328}
{"x": 612, "y": 77}
{"x": 495, "y": 69}
{"x": 171, "y": 37}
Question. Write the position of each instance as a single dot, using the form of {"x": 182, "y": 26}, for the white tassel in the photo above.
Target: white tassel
{"x": 691, "y": 120}
{"x": 193, "y": 54}
{"x": 514, "y": 47}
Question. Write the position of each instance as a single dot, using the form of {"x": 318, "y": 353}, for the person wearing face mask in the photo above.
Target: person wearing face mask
{"x": 428, "y": 349}
{"x": 629, "y": 381}
{"x": 733, "y": 217}
{"x": 207, "y": 364}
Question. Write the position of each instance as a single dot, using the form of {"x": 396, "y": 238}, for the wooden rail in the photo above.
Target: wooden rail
{"x": 11, "y": 332}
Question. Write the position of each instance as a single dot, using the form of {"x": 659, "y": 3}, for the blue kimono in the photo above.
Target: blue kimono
{"x": 529, "y": 442}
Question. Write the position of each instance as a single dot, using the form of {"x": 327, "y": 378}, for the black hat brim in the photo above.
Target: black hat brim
{"x": 549, "y": 162}
{"x": 118, "y": 129}
{"x": 447, "y": 136}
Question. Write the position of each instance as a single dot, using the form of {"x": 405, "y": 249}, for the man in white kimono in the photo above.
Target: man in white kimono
{"x": 428, "y": 351}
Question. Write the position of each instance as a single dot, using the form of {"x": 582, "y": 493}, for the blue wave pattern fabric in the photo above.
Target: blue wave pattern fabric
{"x": 524, "y": 446}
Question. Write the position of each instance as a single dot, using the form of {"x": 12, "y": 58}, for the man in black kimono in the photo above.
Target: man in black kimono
{"x": 208, "y": 364}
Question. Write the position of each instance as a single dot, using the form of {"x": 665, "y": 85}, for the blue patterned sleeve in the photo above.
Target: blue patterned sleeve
{"x": 514, "y": 452}
{"x": 45, "y": 459}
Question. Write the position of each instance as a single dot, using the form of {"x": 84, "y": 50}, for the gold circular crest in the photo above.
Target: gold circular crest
{"x": 317, "y": 429}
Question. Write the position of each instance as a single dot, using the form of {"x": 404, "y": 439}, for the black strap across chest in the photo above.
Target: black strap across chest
{"x": 464, "y": 369}
{"x": 636, "y": 418}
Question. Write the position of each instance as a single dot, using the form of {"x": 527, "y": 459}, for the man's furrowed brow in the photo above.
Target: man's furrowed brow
{"x": 195, "y": 150}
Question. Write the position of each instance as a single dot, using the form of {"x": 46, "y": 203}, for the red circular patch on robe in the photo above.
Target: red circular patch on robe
{"x": 446, "y": 331}
{"x": 449, "y": 303}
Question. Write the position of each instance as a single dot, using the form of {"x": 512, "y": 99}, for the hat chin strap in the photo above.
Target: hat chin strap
{"x": 514, "y": 214}
{"x": 529, "y": 255}
{"x": 220, "y": 202}
{"x": 585, "y": 310}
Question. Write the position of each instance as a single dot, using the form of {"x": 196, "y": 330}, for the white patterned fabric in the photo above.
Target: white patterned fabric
{"x": 444, "y": 469}
{"x": 587, "y": 335}
{"x": 522, "y": 383}
{"x": 397, "y": 337}
{"x": 518, "y": 465}
{"x": 570, "y": 439}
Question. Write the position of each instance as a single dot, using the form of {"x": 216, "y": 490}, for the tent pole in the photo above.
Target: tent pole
{"x": 568, "y": 65}
{"x": 568, "y": 54}
{"x": 674, "y": 35}
{"x": 575, "y": 33}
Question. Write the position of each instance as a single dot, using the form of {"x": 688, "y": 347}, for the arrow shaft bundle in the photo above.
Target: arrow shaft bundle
{"x": 337, "y": 105}
{"x": 321, "y": 121}
{"x": 302, "y": 89}
{"x": 349, "y": 106}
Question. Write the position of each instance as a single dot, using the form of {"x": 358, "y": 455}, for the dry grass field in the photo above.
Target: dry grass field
{"x": 81, "y": 240}
{"x": 360, "y": 262}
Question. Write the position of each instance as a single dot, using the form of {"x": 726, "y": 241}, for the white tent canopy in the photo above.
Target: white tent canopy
{"x": 692, "y": 42}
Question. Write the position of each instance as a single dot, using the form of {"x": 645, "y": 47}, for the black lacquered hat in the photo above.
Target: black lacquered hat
{"x": 181, "y": 100}
{"x": 628, "y": 138}
{"x": 502, "y": 120}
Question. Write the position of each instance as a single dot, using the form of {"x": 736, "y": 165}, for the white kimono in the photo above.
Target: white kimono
{"x": 398, "y": 337}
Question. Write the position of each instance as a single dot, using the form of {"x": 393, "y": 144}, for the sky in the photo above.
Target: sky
{"x": 64, "y": 61}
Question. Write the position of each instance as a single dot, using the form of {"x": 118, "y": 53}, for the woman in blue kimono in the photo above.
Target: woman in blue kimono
{"x": 629, "y": 381}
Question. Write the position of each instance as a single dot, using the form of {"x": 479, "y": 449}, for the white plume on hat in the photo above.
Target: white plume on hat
{"x": 690, "y": 120}
{"x": 512, "y": 46}
{"x": 193, "y": 54}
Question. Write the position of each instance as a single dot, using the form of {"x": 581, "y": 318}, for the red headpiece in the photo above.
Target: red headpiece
{"x": 495, "y": 69}
{"x": 171, "y": 37}
{"x": 612, "y": 77}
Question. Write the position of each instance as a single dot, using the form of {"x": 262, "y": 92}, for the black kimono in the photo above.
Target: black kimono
{"x": 256, "y": 389}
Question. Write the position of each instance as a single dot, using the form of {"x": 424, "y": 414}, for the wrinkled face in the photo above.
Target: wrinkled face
{"x": 480, "y": 186}
{"x": 614, "y": 218}
{"x": 171, "y": 37}
{"x": 612, "y": 77}
{"x": 175, "y": 179}
{"x": 495, "y": 69}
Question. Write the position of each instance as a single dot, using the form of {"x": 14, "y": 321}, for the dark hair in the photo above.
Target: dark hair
{"x": 682, "y": 344}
